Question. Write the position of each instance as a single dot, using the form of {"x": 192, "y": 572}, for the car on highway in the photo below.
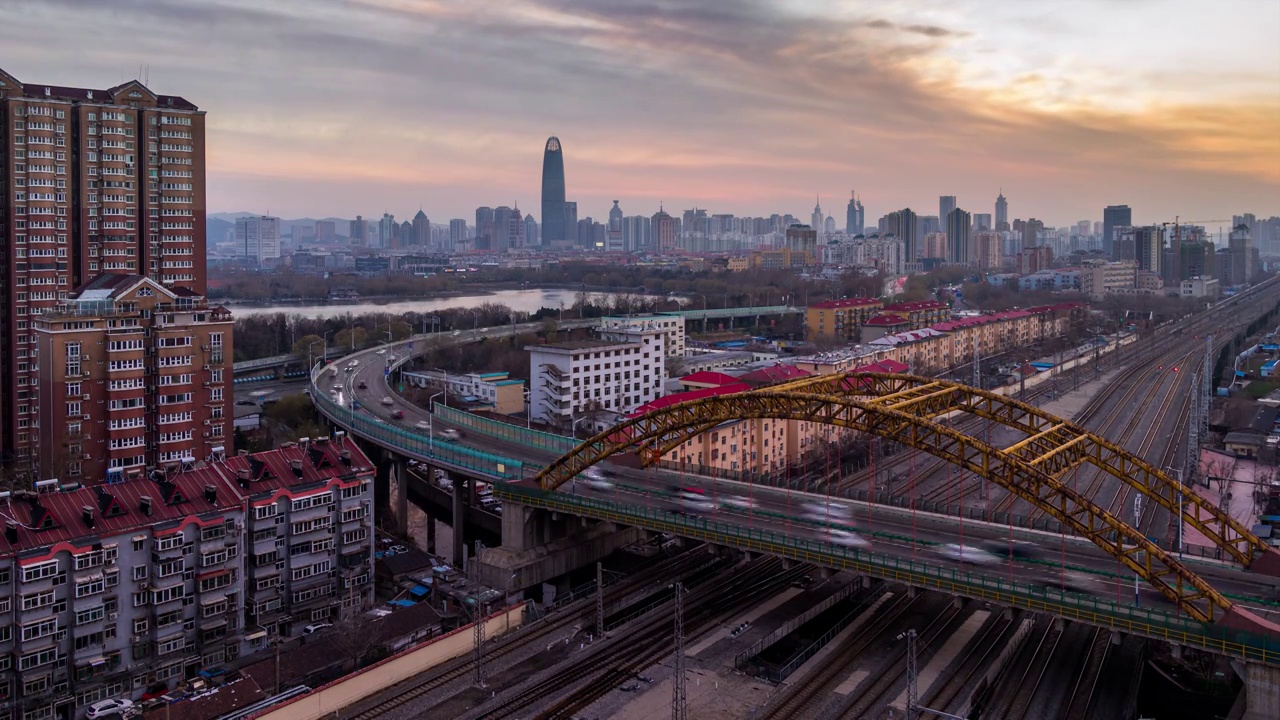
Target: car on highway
{"x": 422, "y": 425}
{"x": 249, "y": 403}
{"x": 827, "y": 510}
{"x": 387, "y": 401}
{"x": 1017, "y": 549}
{"x": 848, "y": 539}
{"x": 355, "y": 404}
{"x": 450, "y": 434}
{"x": 596, "y": 482}
{"x": 363, "y": 385}
{"x": 398, "y": 414}
{"x": 966, "y": 554}
{"x": 738, "y": 502}
{"x": 1077, "y": 582}
{"x": 382, "y": 351}
{"x": 111, "y": 708}
{"x": 337, "y": 387}
{"x": 700, "y": 506}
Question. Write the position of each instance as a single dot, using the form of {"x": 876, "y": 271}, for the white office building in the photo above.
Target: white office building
{"x": 258, "y": 237}
{"x": 672, "y": 327}
{"x": 617, "y": 373}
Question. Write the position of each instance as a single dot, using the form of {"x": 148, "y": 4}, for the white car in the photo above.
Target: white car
{"x": 383, "y": 351}
{"x": 848, "y": 539}
{"x": 825, "y": 510}
{"x": 450, "y": 434}
{"x": 597, "y": 483}
{"x": 701, "y": 505}
{"x": 739, "y": 502}
{"x": 387, "y": 401}
{"x": 422, "y": 425}
{"x": 312, "y": 629}
{"x": 116, "y": 707}
{"x": 967, "y": 554}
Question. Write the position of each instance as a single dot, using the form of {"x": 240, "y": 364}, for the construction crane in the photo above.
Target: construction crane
{"x": 1176, "y": 241}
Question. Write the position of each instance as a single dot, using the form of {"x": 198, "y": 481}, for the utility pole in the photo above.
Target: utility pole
{"x": 477, "y": 618}
{"x": 600, "y": 599}
{"x": 679, "y": 711}
{"x": 977, "y": 367}
{"x": 913, "y": 698}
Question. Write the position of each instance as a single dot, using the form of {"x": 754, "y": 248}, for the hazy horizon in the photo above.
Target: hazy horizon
{"x": 325, "y": 108}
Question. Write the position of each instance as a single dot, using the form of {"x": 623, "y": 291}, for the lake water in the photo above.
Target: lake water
{"x": 519, "y": 300}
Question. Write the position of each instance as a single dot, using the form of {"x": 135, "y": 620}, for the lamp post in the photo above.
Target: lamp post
{"x": 431, "y": 430}
{"x": 325, "y": 347}
{"x": 528, "y": 408}
{"x": 310, "y": 365}
{"x": 475, "y": 321}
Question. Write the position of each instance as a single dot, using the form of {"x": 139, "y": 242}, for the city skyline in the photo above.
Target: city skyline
{"x": 958, "y": 103}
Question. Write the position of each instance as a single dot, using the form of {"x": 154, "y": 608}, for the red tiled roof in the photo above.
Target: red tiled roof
{"x": 708, "y": 377}
{"x": 918, "y": 305}
{"x": 845, "y": 303}
{"x": 885, "y": 321}
{"x": 777, "y": 372}
{"x": 884, "y": 366}
{"x": 968, "y": 322}
{"x": 674, "y": 398}
{"x": 44, "y": 520}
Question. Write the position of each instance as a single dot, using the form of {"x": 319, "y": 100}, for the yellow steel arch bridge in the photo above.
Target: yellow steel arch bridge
{"x": 907, "y": 409}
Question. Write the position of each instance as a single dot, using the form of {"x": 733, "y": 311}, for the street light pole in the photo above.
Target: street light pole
{"x": 325, "y": 339}
{"x": 431, "y": 429}
{"x": 310, "y": 365}
{"x": 1178, "y": 477}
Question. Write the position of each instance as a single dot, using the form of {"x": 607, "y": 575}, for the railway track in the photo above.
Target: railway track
{"x": 802, "y": 698}
{"x": 970, "y": 665}
{"x": 1025, "y": 673}
{"x": 580, "y": 610}
{"x": 1087, "y": 681}
{"x": 646, "y": 642}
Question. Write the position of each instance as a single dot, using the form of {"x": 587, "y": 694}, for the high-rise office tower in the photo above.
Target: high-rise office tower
{"x": 1002, "y": 213}
{"x": 530, "y": 230}
{"x": 387, "y": 229}
{"x": 663, "y": 228}
{"x": 506, "y": 223}
{"x": 829, "y": 225}
{"x": 854, "y": 216}
{"x": 358, "y": 231}
{"x": 404, "y": 235}
{"x": 258, "y": 237}
{"x": 1143, "y": 245}
{"x": 982, "y": 222}
{"x": 815, "y": 220}
{"x": 92, "y": 182}
{"x": 1114, "y": 216}
{"x": 457, "y": 235}
{"x": 946, "y": 203}
{"x": 485, "y": 229}
{"x": 959, "y": 224}
{"x": 1031, "y": 233}
{"x": 570, "y": 209}
{"x": 421, "y": 230}
{"x": 613, "y": 242}
{"x": 553, "y": 203}
{"x": 902, "y": 224}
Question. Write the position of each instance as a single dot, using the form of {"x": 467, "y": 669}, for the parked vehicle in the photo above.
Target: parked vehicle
{"x": 113, "y": 707}
{"x": 312, "y": 629}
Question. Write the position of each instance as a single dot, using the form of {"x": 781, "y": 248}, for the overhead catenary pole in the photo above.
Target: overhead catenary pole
{"x": 679, "y": 709}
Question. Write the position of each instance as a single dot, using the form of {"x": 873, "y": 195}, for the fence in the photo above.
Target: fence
{"x": 1144, "y": 621}
{"x": 418, "y": 445}
{"x": 506, "y": 431}
{"x": 740, "y": 661}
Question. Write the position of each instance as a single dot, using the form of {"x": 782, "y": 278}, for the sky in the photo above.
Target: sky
{"x": 336, "y": 108}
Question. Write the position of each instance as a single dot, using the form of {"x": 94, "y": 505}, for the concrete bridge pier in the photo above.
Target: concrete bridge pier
{"x": 1261, "y": 688}
{"x": 539, "y": 546}
{"x": 462, "y": 488}
{"x": 400, "y": 470}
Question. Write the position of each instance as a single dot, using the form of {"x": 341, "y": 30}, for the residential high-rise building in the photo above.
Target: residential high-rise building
{"x": 530, "y": 230}
{"x": 613, "y": 243}
{"x": 421, "y": 230}
{"x": 989, "y": 247}
{"x": 93, "y": 182}
{"x": 1114, "y": 216}
{"x": 404, "y": 235}
{"x": 982, "y": 222}
{"x": 1031, "y": 230}
{"x": 457, "y": 235}
{"x": 934, "y": 246}
{"x": 507, "y": 222}
{"x": 326, "y": 232}
{"x": 803, "y": 239}
{"x": 358, "y": 231}
{"x": 637, "y": 233}
{"x": 946, "y": 203}
{"x": 553, "y": 190}
{"x": 959, "y": 225}
{"x": 1244, "y": 256}
{"x": 135, "y": 375}
{"x": 926, "y": 224}
{"x": 258, "y": 237}
{"x": 816, "y": 219}
{"x": 1002, "y": 213}
{"x": 902, "y": 225}
{"x": 663, "y": 228}
{"x": 1147, "y": 243}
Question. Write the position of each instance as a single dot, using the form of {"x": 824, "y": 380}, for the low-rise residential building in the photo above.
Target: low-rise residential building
{"x": 134, "y": 374}
{"x": 839, "y": 321}
{"x": 880, "y": 325}
{"x": 672, "y": 327}
{"x": 919, "y": 314}
{"x": 496, "y": 389}
{"x": 113, "y": 588}
{"x": 1100, "y": 277}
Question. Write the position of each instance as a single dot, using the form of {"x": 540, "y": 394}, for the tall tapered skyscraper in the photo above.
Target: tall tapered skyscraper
{"x": 1002, "y": 213}
{"x": 553, "y": 209}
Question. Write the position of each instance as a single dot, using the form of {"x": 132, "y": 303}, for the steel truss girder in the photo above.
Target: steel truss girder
{"x": 1074, "y": 445}
{"x": 663, "y": 429}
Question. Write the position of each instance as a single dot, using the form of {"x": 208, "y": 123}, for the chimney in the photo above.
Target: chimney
{"x": 11, "y": 532}
{"x": 145, "y": 504}
{"x": 297, "y": 467}
{"x": 86, "y": 512}
{"x": 243, "y": 476}
{"x": 211, "y": 494}
{"x": 345, "y": 456}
